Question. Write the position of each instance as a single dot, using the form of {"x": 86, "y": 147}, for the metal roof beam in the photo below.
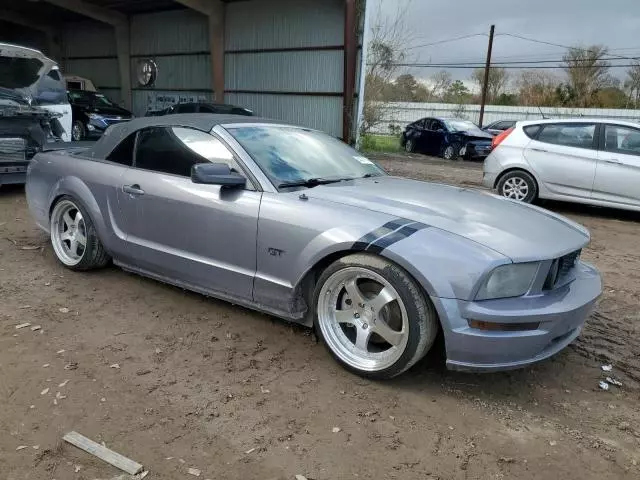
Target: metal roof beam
{"x": 26, "y": 21}
{"x": 206, "y": 7}
{"x": 214, "y": 10}
{"x": 96, "y": 12}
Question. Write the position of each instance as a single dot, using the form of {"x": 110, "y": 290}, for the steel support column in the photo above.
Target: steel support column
{"x": 350, "y": 57}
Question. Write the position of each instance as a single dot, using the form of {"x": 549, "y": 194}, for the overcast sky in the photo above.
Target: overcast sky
{"x": 614, "y": 23}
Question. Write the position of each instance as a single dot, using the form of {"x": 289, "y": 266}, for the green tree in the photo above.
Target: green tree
{"x": 457, "y": 93}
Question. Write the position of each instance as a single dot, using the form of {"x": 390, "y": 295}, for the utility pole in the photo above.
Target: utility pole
{"x": 485, "y": 85}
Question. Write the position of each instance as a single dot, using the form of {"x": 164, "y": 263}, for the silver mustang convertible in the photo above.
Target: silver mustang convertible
{"x": 290, "y": 221}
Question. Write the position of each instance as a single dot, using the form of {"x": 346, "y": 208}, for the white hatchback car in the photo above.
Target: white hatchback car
{"x": 578, "y": 160}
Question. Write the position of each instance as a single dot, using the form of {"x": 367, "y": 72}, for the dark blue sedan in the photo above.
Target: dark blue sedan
{"x": 449, "y": 138}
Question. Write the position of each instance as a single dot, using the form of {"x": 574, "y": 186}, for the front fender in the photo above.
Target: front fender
{"x": 445, "y": 264}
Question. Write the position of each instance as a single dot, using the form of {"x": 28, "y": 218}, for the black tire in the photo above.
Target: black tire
{"x": 409, "y": 146}
{"x": 451, "y": 152}
{"x": 423, "y": 324}
{"x": 94, "y": 256}
{"x": 78, "y": 131}
{"x": 518, "y": 176}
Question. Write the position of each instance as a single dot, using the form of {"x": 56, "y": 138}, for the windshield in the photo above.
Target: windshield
{"x": 90, "y": 98}
{"x": 461, "y": 126}
{"x": 17, "y": 72}
{"x": 292, "y": 154}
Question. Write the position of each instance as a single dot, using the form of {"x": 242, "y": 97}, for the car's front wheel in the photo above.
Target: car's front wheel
{"x": 451, "y": 152}
{"x": 372, "y": 316}
{"x": 74, "y": 238}
{"x": 77, "y": 131}
{"x": 518, "y": 185}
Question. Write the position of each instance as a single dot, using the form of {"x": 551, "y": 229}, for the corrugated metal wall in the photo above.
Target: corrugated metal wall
{"x": 299, "y": 80}
{"x": 302, "y": 86}
{"x": 178, "y": 42}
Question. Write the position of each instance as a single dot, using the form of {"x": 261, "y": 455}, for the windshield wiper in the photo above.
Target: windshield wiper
{"x": 312, "y": 182}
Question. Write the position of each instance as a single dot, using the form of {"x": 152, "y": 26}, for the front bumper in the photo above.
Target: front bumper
{"x": 13, "y": 173}
{"x": 489, "y": 179}
{"x": 477, "y": 151}
{"x": 560, "y": 312}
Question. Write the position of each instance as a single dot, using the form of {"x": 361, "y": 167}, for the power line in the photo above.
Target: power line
{"x": 439, "y": 42}
{"x": 533, "y": 67}
{"x": 543, "y": 42}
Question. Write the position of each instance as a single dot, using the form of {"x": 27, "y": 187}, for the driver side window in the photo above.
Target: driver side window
{"x": 174, "y": 150}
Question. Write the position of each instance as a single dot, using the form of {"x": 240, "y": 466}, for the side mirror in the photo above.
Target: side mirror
{"x": 217, "y": 174}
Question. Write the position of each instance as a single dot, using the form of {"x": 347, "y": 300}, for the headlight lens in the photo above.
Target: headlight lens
{"x": 508, "y": 281}
{"x": 95, "y": 116}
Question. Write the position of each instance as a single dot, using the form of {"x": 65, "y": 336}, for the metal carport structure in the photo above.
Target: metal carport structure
{"x": 293, "y": 60}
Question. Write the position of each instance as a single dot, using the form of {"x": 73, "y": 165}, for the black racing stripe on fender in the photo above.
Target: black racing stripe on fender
{"x": 394, "y": 237}
{"x": 364, "y": 241}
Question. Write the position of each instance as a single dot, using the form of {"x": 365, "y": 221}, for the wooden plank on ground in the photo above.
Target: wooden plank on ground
{"x": 119, "y": 461}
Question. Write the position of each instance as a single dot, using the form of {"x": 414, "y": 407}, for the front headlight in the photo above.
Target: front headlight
{"x": 510, "y": 280}
{"x": 95, "y": 116}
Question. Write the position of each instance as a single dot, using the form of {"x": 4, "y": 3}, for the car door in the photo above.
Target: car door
{"x": 564, "y": 157}
{"x": 618, "y": 170}
{"x": 437, "y": 134}
{"x": 203, "y": 236}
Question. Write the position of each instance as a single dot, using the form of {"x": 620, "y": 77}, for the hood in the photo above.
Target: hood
{"x": 478, "y": 135}
{"x": 106, "y": 110}
{"x": 516, "y": 230}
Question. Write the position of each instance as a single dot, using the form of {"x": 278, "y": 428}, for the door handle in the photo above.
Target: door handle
{"x": 611, "y": 160}
{"x": 133, "y": 189}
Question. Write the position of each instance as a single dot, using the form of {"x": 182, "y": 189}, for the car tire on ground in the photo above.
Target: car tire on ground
{"x": 372, "y": 316}
{"x": 518, "y": 185}
{"x": 451, "y": 152}
{"x": 78, "y": 131}
{"x": 74, "y": 238}
{"x": 409, "y": 146}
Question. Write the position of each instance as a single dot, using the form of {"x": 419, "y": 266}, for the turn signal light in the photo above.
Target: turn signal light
{"x": 503, "y": 327}
{"x": 497, "y": 140}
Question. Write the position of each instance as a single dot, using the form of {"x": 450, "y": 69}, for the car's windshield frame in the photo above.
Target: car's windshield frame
{"x": 270, "y": 183}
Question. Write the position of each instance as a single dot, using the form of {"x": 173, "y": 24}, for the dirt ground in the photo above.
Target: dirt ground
{"x": 175, "y": 380}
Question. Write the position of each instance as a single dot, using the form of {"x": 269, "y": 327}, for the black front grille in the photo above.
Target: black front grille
{"x": 112, "y": 121}
{"x": 561, "y": 269}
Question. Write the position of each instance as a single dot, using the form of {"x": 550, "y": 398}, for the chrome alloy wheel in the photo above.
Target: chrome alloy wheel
{"x": 68, "y": 233}
{"x": 515, "y": 188}
{"x": 363, "y": 319}
{"x": 449, "y": 153}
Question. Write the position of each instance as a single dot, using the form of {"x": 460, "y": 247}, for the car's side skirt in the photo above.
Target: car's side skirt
{"x": 297, "y": 317}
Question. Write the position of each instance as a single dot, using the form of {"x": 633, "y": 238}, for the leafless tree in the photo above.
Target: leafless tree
{"x": 498, "y": 81}
{"x": 388, "y": 46}
{"x": 632, "y": 84}
{"x": 440, "y": 83}
{"x": 588, "y": 71}
{"x": 536, "y": 87}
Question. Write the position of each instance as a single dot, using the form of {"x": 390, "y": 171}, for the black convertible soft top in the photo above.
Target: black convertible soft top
{"x": 200, "y": 121}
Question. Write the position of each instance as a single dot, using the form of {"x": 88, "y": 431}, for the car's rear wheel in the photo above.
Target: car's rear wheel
{"x": 77, "y": 131}
{"x": 518, "y": 185}
{"x": 74, "y": 238}
{"x": 372, "y": 316}
{"x": 409, "y": 146}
